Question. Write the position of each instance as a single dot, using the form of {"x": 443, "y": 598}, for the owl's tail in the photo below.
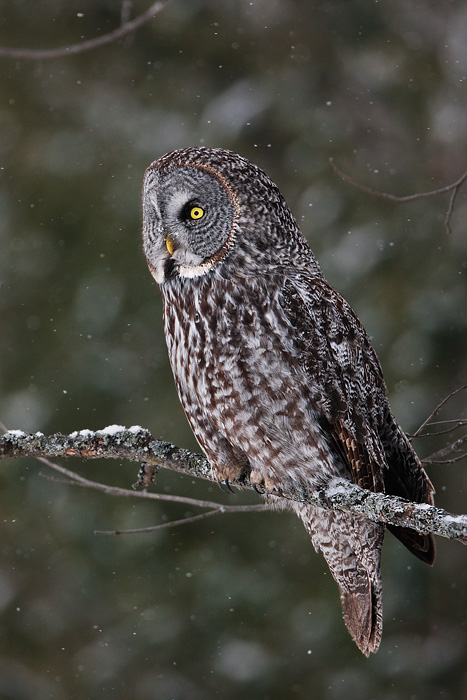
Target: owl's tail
{"x": 351, "y": 546}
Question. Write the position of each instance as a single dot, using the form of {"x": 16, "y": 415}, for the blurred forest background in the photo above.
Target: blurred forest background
{"x": 239, "y": 606}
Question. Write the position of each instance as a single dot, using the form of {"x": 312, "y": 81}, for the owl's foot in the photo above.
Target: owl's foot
{"x": 261, "y": 484}
{"x": 224, "y": 475}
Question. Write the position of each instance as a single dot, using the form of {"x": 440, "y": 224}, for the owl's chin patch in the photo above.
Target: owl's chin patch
{"x": 170, "y": 269}
{"x": 170, "y": 266}
{"x": 192, "y": 271}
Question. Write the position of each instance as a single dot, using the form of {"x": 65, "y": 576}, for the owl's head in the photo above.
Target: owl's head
{"x": 204, "y": 206}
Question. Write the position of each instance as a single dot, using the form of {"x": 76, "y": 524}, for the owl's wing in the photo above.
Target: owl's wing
{"x": 337, "y": 355}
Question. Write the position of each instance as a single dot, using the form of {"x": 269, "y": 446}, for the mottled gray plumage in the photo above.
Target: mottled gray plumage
{"x": 273, "y": 368}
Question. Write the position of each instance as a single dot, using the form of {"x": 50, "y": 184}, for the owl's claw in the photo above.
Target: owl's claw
{"x": 261, "y": 490}
{"x": 225, "y": 486}
{"x": 226, "y": 482}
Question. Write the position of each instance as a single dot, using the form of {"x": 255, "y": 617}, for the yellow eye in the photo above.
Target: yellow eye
{"x": 169, "y": 245}
{"x": 196, "y": 213}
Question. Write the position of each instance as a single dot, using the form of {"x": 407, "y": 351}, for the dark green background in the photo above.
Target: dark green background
{"x": 239, "y": 606}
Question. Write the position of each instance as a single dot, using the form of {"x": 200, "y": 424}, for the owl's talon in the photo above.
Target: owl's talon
{"x": 225, "y": 486}
{"x": 258, "y": 490}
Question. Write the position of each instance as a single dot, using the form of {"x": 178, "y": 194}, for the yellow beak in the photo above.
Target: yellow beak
{"x": 169, "y": 244}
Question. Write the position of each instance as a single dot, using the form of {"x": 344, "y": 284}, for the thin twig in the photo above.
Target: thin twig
{"x": 454, "y": 425}
{"x": 78, "y": 480}
{"x": 456, "y": 446}
{"x": 114, "y": 35}
{"x": 437, "y": 410}
{"x": 450, "y": 209}
{"x": 75, "y": 479}
{"x": 393, "y": 197}
{"x": 163, "y": 526}
{"x": 454, "y": 188}
{"x": 455, "y": 422}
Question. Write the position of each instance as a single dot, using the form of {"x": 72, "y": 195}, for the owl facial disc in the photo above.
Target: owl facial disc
{"x": 188, "y": 220}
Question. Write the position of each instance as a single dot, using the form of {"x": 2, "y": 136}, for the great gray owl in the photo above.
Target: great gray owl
{"x": 275, "y": 373}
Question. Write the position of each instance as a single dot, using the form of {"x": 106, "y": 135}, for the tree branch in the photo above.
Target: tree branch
{"x": 429, "y": 421}
{"x": 453, "y": 188}
{"x": 137, "y": 444}
{"x": 456, "y": 450}
{"x": 122, "y": 31}
{"x": 163, "y": 526}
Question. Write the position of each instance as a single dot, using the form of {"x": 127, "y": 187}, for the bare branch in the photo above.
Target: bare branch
{"x": 137, "y": 444}
{"x": 444, "y": 456}
{"x": 124, "y": 30}
{"x": 452, "y": 453}
{"x": 450, "y": 209}
{"x": 438, "y": 408}
{"x": 75, "y": 479}
{"x": 453, "y": 425}
{"x": 162, "y": 526}
{"x": 453, "y": 188}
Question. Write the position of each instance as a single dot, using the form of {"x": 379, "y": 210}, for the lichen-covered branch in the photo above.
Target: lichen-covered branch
{"x": 137, "y": 444}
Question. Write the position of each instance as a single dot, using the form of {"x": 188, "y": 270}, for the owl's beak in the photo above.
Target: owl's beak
{"x": 169, "y": 244}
